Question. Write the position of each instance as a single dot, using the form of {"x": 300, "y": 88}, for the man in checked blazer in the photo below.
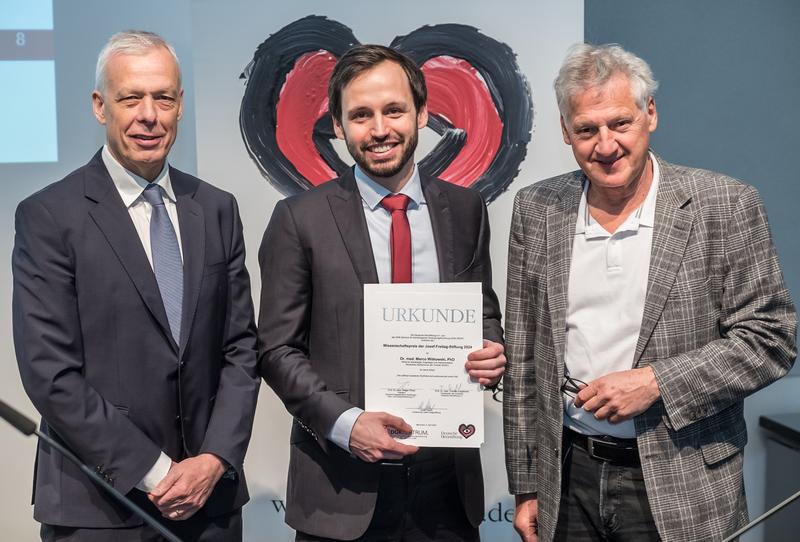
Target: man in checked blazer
{"x": 645, "y": 302}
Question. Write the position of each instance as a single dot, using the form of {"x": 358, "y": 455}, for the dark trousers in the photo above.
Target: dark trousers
{"x": 601, "y": 501}
{"x": 418, "y": 501}
{"x": 198, "y": 528}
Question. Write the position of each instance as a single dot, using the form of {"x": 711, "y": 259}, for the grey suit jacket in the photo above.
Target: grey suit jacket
{"x": 718, "y": 325}
{"x": 96, "y": 355}
{"x": 315, "y": 259}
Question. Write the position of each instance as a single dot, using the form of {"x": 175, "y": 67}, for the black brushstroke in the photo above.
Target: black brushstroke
{"x": 495, "y": 61}
{"x": 509, "y": 89}
{"x": 447, "y": 148}
{"x": 266, "y": 75}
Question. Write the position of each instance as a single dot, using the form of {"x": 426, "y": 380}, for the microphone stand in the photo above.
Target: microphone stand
{"x": 28, "y": 427}
{"x": 762, "y": 517}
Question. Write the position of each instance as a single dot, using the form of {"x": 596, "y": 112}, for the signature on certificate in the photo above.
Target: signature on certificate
{"x": 450, "y": 388}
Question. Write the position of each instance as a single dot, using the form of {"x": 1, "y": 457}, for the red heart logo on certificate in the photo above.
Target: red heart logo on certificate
{"x": 466, "y": 430}
{"x": 478, "y": 101}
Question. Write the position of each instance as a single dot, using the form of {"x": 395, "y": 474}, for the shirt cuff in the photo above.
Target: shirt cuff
{"x": 156, "y": 473}
{"x": 343, "y": 426}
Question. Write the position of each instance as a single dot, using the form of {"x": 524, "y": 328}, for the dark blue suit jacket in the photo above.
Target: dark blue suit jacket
{"x": 96, "y": 355}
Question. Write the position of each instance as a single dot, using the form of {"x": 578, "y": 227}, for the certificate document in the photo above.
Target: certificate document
{"x": 416, "y": 341}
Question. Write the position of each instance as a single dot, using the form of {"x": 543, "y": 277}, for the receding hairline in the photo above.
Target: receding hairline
{"x": 132, "y": 43}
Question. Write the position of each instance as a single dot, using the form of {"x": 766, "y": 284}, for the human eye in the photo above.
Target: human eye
{"x": 394, "y": 111}
{"x": 166, "y": 101}
{"x": 585, "y": 131}
{"x": 359, "y": 115}
{"x": 622, "y": 124}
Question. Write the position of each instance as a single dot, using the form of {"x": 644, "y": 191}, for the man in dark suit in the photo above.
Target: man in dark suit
{"x": 645, "y": 302}
{"x": 348, "y": 478}
{"x": 133, "y": 322}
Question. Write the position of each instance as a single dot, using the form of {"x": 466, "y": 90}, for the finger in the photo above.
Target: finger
{"x": 400, "y": 449}
{"x": 180, "y": 514}
{"x": 603, "y": 412}
{"x": 595, "y": 403}
{"x": 586, "y": 393}
{"x": 490, "y": 350}
{"x": 173, "y": 475}
{"x": 396, "y": 422}
{"x": 485, "y": 373}
{"x": 486, "y": 364}
{"x": 174, "y": 497}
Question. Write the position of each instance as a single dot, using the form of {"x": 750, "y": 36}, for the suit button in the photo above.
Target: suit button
{"x": 182, "y": 364}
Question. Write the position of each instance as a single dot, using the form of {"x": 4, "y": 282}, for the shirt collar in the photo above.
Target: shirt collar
{"x": 130, "y": 185}
{"x": 643, "y": 216}
{"x": 373, "y": 192}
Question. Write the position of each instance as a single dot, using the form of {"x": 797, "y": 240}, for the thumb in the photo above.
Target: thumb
{"x": 173, "y": 475}
{"x": 395, "y": 422}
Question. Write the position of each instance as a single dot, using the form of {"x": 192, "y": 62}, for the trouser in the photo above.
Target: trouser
{"x": 418, "y": 501}
{"x": 198, "y": 528}
{"x": 602, "y": 500}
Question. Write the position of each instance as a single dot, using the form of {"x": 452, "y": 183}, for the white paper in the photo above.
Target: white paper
{"x": 416, "y": 341}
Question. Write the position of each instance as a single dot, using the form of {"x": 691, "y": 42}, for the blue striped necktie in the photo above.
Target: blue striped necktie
{"x": 167, "y": 263}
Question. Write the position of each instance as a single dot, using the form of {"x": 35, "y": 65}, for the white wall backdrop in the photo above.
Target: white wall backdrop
{"x": 224, "y": 40}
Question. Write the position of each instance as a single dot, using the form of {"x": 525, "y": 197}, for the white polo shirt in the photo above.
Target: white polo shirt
{"x": 605, "y": 302}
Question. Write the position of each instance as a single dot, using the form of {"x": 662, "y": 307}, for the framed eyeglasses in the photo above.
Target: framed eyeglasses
{"x": 572, "y": 386}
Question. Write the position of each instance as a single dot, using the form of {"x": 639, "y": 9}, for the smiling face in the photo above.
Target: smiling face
{"x": 140, "y": 107}
{"x": 610, "y": 136}
{"x": 380, "y": 124}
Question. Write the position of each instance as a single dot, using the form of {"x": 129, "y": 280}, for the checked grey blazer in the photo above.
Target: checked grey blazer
{"x": 718, "y": 325}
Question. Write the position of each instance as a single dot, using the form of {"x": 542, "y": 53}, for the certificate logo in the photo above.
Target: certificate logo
{"x": 466, "y": 430}
{"x": 479, "y": 104}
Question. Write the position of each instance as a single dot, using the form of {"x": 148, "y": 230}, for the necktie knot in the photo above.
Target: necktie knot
{"x": 153, "y": 194}
{"x": 395, "y": 202}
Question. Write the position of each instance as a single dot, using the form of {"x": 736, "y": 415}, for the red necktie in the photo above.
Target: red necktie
{"x": 400, "y": 239}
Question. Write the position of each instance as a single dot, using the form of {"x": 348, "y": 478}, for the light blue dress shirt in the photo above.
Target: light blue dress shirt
{"x": 424, "y": 261}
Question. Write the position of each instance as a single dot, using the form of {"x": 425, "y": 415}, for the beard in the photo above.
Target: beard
{"x": 384, "y": 169}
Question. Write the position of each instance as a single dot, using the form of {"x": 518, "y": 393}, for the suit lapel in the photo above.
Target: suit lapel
{"x": 561, "y": 218}
{"x": 192, "y": 226}
{"x": 113, "y": 220}
{"x": 442, "y": 224}
{"x": 348, "y": 213}
{"x": 673, "y": 224}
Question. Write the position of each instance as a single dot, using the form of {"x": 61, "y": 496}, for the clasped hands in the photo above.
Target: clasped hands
{"x": 371, "y": 439}
{"x": 187, "y": 485}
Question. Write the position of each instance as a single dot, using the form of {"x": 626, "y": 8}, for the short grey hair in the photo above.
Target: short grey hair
{"x": 130, "y": 42}
{"x": 587, "y": 66}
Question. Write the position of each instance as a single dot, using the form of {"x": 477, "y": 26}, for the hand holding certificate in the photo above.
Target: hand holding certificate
{"x": 416, "y": 340}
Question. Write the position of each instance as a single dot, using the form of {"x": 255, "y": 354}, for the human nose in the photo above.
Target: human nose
{"x": 380, "y": 127}
{"x": 147, "y": 112}
{"x": 606, "y": 143}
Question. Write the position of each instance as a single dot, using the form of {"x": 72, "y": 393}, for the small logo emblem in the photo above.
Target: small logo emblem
{"x": 466, "y": 430}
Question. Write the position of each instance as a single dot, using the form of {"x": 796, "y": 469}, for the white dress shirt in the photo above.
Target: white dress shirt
{"x": 424, "y": 260}
{"x": 130, "y": 187}
{"x": 605, "y": 303}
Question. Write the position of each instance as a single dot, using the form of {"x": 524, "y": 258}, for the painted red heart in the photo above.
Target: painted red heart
{"x": 466, "y": 430}
{"x": 478, "y": 101}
